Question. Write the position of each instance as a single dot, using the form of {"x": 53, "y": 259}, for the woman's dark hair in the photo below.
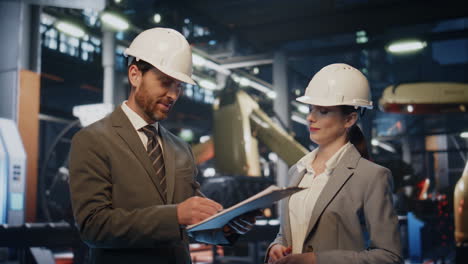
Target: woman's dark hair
{"x": 355, "y": 135}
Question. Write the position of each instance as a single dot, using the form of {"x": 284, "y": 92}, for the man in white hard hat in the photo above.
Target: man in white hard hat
{"x": 132, "y": 181}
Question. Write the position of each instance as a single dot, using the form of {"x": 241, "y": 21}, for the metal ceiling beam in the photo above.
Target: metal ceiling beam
{"x": 374, "y": 19}
{"x": 376, "y": 44}
{"x": 246, "y": 61}
{"x": 82, "y": 4}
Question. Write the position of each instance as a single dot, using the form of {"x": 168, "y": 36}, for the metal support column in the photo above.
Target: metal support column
{"x": 108, "y": 62}
{"x": 281, "y": 106}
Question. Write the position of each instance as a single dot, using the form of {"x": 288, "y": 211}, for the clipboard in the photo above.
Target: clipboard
{"x": 260, "y": 200}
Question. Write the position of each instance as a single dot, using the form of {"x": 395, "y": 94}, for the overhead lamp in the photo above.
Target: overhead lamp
{"x": 464, "y": 134}
{"x": 70, "y": 29}
{"x": 205, "y": 138}
{"x": 255, "y": 70}
{"x": 186, "y": 134}
{"x": 157, "y": 18}
{"x": 209, "y": 172}
{"x": 410, "y": 108}
{"x": 114, "y": 21}
{"x": 406, "y": 46}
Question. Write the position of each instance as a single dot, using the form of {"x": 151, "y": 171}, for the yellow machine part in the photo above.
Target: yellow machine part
{"x": 461, "y": 208}
{"x": 236, "y": 151}
{"x": 238, "y": 128}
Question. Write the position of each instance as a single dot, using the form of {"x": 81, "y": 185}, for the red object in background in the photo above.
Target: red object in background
{"x": 64, "y": 261}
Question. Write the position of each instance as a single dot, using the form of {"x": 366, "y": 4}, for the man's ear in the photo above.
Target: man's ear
{"x": 351, "y": 119}
{"x": 134, "y": 76}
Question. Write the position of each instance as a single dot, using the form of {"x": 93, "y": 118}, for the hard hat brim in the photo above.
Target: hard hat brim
{"x": 326, "y": 102}
{"x": 176, "y": 75}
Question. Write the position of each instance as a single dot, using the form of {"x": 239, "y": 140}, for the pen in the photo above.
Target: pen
{"x": 196, "y": 187}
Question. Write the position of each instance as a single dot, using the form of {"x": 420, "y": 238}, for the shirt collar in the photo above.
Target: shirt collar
{"x": 137, "y": 121}
{"x": 306, "y": 161}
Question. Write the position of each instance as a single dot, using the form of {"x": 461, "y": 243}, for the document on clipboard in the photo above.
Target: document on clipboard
{"x": 260, "y": 200}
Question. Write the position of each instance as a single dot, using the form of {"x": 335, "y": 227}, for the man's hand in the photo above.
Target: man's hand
{"x": 308, "y": 258}
{"x": 242, "y": 224}
{"x": 277, "y": 252}
{"x": 196, "y": 209}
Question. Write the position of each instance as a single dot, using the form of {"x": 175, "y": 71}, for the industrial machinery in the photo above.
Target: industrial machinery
{"x": 239, "y": 125}
{"x": 425, "y": 98}
{"x": 436, "y": 98}
{"x": 461, "y": 216}
{"x": 12, "y": 174}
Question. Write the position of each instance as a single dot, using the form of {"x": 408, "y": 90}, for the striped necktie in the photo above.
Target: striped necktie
{"x": 155, "y": 154}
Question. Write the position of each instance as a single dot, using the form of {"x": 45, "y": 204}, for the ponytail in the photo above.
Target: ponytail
{"x": 355, "y": 135}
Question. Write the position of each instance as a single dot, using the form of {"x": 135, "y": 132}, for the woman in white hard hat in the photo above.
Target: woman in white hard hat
{"x": 346, "y": 213}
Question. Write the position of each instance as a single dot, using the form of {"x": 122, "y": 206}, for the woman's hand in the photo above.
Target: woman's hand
{"x": 277, "y": 252}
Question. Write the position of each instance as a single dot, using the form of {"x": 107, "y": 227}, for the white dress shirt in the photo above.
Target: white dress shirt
{"x": 138, "y": 122}
{"x": 302, "y": 203}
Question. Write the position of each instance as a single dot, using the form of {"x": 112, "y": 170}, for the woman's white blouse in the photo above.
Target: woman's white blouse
{"x": 302, "y": 203}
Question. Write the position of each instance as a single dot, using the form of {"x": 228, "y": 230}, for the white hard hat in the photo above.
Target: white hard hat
{"x": 165, "y": 49}
{"x": 338, "y": 84}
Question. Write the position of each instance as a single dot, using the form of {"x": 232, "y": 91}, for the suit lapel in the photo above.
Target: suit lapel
{"x": 169, "y": 162}
{"x": 126, "y": 131}
{"x": 296, "y": 178}
{"x": 338, "y": 178}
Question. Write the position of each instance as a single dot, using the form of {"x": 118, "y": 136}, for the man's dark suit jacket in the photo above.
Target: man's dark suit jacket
{"x": 116, "y": 203}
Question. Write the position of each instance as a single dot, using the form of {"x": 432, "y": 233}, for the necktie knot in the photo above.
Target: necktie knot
{"x": 149, "y": 130}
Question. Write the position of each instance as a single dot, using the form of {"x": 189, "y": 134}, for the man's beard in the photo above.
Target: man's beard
{"x": 147, "y": 105}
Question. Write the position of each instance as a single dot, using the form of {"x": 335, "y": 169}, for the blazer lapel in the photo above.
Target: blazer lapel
{"x": 338, "y": 178}
{"x": 126, "y": 131}
{"x": 296, "y": 178}
{"x": 169, "y": 162}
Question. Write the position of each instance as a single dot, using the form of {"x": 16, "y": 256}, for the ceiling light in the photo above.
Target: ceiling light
{"x": 157, "y": 18}
{"x": 114, "y": 21}
{"x": 255, "y": 70}
{"x": 406, "y": 46}
{"x": 209, "y": 172}
{"x": 205, "y": 138}
{"x": 410, "y": 108}
{"x": 464, "y": 134}
{"x": 70, "y": 29}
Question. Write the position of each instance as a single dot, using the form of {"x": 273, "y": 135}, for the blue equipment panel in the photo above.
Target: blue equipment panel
{"x": 16, "y": 172}
{"x": 3, "y": 182}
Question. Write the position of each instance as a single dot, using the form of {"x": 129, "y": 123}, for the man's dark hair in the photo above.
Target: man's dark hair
{"x": 142, "y": 65}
